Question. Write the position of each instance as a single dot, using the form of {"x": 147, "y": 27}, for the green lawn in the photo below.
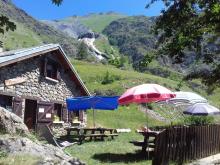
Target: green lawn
{"x": 119, "y": 150}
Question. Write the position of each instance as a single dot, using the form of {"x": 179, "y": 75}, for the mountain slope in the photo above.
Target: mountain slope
{"x": 97, "y": 22}
{"x": 84, "y": 27}
{"x": 31, "y": 32}
{"x": 132, "y": 35}
{"x": 93, "y": 75}
{"x": 74, "y": 28}
{"x": 79, "y": 25}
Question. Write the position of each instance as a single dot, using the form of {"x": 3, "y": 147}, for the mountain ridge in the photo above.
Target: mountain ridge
{"x": 31, "y": 32}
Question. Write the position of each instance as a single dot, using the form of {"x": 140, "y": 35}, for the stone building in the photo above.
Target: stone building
{"x": 35, "y": 82}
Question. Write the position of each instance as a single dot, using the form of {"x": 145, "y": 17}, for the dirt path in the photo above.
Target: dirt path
{"x": 211, "y": 160}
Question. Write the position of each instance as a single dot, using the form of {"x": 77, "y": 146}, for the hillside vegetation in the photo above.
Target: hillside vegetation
{"x": 31, "y": 32}
{"x": 94, "y": 74}
{"x": 133, "y": 36}
{"x": 97, "y": 22}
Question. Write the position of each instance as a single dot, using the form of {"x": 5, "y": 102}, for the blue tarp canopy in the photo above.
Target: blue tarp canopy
{"x": 92, "y": 102}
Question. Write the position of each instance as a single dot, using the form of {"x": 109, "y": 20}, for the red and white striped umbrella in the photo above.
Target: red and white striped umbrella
{"x": 145, "y": 93}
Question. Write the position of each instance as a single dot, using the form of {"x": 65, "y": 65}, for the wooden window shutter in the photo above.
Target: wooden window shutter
{"x": 44, "y": 111}
{"x": 58, "y": 75}
{"x": 81, "y": 115}
{"x": 45, "y": 67}
{"x": 17, "y": 106}
{"x": 70, "y": 116}
{"x": 65, "y": 113}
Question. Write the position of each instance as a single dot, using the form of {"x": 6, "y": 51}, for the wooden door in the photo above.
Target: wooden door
{"x": 44, "y": 112}
{"x": 17, "y": 106}
{"x": 65, "y": 113}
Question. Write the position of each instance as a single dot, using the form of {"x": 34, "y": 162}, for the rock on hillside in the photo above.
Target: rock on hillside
{"x": 12, "y": 126}
{"x": 11, "y": 123}
{"x": 48, "y": 154}
{"x": 73, "y": 29}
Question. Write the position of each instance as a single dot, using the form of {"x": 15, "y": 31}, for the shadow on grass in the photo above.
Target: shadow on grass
{"x": 126, "y": 158}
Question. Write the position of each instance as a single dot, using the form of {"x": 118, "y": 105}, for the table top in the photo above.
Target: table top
{"x": 88, "y": 129}
{"x": 149, "y": 133}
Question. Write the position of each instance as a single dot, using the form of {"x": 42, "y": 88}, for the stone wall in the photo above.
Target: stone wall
{"x": 37, "y": 85}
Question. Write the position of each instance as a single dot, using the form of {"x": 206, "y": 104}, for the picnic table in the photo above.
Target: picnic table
{"x": 149, "y": 140}
{"x": 92, "y": 133}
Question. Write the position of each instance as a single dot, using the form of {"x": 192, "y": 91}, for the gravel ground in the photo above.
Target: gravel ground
{"x": 211, "y": 160}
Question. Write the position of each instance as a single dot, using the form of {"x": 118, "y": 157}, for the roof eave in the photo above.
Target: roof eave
{"x": 74, "y": 71}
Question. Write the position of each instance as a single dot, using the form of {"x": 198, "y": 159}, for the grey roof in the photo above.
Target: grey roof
{"x": 21, "y": 54}
{"x": 16, "y": 54}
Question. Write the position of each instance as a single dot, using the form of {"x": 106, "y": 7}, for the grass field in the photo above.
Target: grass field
{"x": 92, "y": 75}
{"x": 120, "y": 151}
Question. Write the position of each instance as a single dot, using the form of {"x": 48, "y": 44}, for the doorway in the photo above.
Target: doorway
{"x": 6, "y": 102}
{"x": 30, "y": 113}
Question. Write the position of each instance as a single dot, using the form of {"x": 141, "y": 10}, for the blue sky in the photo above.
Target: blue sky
{"x": 44, "y": 9}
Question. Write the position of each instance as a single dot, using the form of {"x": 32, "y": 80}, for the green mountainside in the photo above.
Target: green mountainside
{"x": 96, "y": 22}
{"x": 79, "y": 25}
{"x": 132, "y": 35}
{"x": 93, "y": 75}
{"x": 31, "y": 32}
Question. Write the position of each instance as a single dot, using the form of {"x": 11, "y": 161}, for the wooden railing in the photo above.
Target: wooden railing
{"x": 181, "y": 144}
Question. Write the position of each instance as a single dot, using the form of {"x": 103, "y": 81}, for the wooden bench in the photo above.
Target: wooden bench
{"x": 142, "y": 143}
{"x": 112, "y": 135}
{"x": 92, "y": 133}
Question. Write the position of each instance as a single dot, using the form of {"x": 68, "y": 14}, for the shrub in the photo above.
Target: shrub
{"x": 108, "y": 78}
{"x": 199, "y": 120}
{"x": 3, "y": 154}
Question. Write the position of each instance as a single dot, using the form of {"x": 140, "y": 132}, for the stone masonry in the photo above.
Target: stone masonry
{"x": 36, "y": 85}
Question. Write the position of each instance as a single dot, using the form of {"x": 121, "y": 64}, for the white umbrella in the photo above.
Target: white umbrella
{"x": 202, "y": 109}
{"x": 187, "y": 98}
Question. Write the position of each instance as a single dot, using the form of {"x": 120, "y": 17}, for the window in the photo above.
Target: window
{"x": 57, "y": 113}
{"x": 52, "y": 71}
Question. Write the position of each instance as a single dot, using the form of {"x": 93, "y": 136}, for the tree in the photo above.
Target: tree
{"x": 6, "y": 25}
{"x": 147, "y": 59}
{"x": 190, "y": 24}
{"x": 82, "y": 51}
{"x": 57, "y": 2}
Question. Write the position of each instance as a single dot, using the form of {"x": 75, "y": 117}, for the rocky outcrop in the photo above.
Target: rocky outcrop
{"x": 48, "y": 154}
{"x": 71, "y": 26}
{"x": 11, "y": 123}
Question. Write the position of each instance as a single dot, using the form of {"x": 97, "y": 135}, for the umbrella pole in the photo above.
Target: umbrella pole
{"x": 93, "y": 118}
{"x": 148, "y": 154}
